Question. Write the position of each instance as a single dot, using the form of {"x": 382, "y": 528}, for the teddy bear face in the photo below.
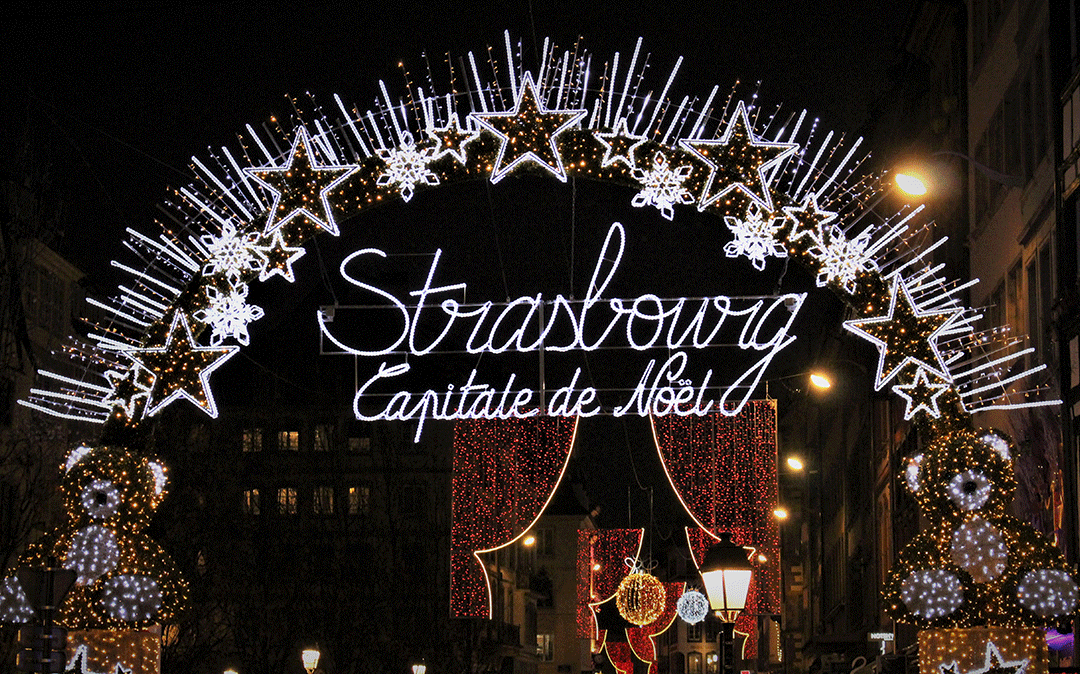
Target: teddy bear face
{"x": 965, "y": 473}
{"x": 104, "y": 487}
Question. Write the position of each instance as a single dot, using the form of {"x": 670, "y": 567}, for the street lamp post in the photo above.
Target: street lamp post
{"x": 310, "y": 658}
{"x": 726, "y": 572}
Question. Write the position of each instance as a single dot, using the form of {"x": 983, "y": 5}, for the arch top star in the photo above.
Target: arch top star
{"x": 905, "y": 336}
{"x": 528, "y": 133}
{"x": 301, "y": 187}
{"x": 738, "y": 160}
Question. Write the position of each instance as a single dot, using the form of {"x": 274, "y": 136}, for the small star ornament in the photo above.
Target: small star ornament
{"x": 619, "y": 146}
{"x": 452, "y": 139}
{"x": 994, "y": 663}
{"x": 276, "y": 257}
{"x": 905, "y": 336}
{"x": 181, "y": 368}
{"x": 738, "y": 161}
{"x": 921, "y": 395}
{"x": 529, "y": 133}
{"x": 301, "y": 187}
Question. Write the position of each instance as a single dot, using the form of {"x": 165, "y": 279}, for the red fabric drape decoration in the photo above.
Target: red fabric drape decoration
{"x": 504, "y": 473}
{"x": 724, "y": 472}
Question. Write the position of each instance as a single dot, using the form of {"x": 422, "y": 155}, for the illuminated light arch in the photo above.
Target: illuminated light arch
{"x": 781, "y": 188}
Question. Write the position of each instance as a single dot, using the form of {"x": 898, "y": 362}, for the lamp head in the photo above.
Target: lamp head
{"x": 726, "y": 572}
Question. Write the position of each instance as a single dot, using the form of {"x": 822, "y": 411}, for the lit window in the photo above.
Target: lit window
{"x": 359, "y": 499}
{"x": 693, "y": 663}
{"x": 361, "y": 444}
{"x": 545, "y": 647}
{"x": 252, "y": 440}
{"x": 323, "y": 501}
{"x": 251, "y": 502}
{"x": 693, "y": 633}
{"x": 288, "y": 440}
{"x": 286, "y": 498}
{"x": 322, "y": 438}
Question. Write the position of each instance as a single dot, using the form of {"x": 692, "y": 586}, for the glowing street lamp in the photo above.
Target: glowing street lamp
{"x": 820, "y": 380}
{"x": 419, "y": 668}
{"x": 726, "y": 572}
{"x": 310, "y": 657}
{"x": 794, "y": 463}
{"x": 529, "y": 541}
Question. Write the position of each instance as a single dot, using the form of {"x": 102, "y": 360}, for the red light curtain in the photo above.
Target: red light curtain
{"x": 504, "y": 473}
{"x": 724, "y": 471}
{"x": 608, "y": 549}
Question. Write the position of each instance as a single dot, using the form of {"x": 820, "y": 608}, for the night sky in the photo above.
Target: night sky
{"x": 116, "y": 97}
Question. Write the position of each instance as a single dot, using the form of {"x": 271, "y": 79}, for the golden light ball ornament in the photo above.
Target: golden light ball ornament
{"x": 641, "y": 598}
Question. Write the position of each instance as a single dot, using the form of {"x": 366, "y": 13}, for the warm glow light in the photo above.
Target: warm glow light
{"x": 596, "y": 567}
{"x": 310, "y": 657}
{"x": 231, "y": 671}
{"x": 910, "y": 184}
{"x": 529, "y": 541}
{"x": 419, "y": 669}
{"x": 794, "y": 463}
{"x": 820, "y": 380}
{"x": 780, "y": 514}
{"x": 726, "y": 573}
{"x": 762, "y": 558}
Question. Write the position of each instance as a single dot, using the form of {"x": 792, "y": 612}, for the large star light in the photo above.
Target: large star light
{"x": 528, "y": 133}
{"x": 994, "y": 663}
{"x": 181, "y": 368}
{"x": 738, "y": 160}
{"x": 905, "y": 336}
{"x": 301, "y": 187}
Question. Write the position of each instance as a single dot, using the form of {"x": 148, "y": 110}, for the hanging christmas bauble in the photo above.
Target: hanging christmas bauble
{"x": 692, "y": 606}
{"x": 640, "y": 598}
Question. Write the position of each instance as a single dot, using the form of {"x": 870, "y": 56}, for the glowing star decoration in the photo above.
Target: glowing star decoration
{"x": 80, "y": 663}
{"x": 277, "y": 258}
{"x": 969, "y": 490}
{"x": 738, "y": 160}
{"x": 693, "y": 607}
{"x": 921, "y": 395}
{"x": 994, "y": 664}
{"x": 181, "y": 368}
{"x": 977, "y": 547}
{"x": 905, "y": 335}
{"x": 663, "y": 186}
{"x": 807, "y": 220}
{"x": 528, "y": 133}
{"x": 230, "y": 253}
{"x": 1047, "y": 592}
{"x": 932, "y": 593}
{"x": 452, "y": 139}
{"x": 228, "y": 313}
{"x": 301, "y": 187}
{"x": 128, "y": 389}
{"x": 406, "y": 166}
{"x": 842, "y": 259}
{"x": 756, "y": 237}
{"x": 620, "y": 145}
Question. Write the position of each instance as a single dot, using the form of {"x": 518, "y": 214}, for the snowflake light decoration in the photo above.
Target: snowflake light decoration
{"x": 756, "y": 237}
{"x": 229, "y": 313}
{"x": 842, "y": 259}
{"x": 231, "y": 253}
{"x": 663, "y": 186}
{"x": 407, "y": 166}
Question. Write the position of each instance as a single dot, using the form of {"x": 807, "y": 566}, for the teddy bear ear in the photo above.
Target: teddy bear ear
{"x": 999, "y": 442}
{"x": 912, "y": 473}
{"x": 160, "y": 479}
{"x": 75, "y": 456}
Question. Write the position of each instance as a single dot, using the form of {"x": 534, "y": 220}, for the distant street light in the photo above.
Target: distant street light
{"x": 794, "y": 463}
{"x": 310, "y": 657}
{"x": 780, "y": 513}
{"x": 916, "y": 181}
{"x": 419, "y": 668}
{"x": 820, "y": 380}
{"x": 529, "y": 541}
{"x": 230, "y": 671}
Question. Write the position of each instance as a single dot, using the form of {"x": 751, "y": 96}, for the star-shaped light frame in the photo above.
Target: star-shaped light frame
{"x": 921, "y": 395}
{"x": 301, "y": 187}
{"x": 994, "y": 663}
{"x": 896, "y": 348}
{"x": 619, "y": 145}
{"x": 180, "y": 350}
{"x": 277, "y": 257}
{"x": 452, "y": 139}
{"x": 533, "y": 125}
{"x": 746, "y": 159}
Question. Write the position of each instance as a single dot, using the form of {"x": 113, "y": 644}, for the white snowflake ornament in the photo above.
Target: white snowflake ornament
{"x": 406, "y": 166}
{"x": 229, "y": 314}
{"x": 757, "y": 237}
{"x": 842, "y": 259}
{"x": 231, "y": 253}
{"x": 663, "y": 186}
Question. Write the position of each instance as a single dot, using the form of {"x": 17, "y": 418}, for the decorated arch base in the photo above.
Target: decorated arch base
{"x": 778, "y": 186}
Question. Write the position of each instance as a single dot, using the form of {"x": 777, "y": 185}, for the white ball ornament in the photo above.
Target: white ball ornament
{"x": 1047, "y": 592}
{"x": 932, "y": 593}
{"x": 692, "y": 606}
